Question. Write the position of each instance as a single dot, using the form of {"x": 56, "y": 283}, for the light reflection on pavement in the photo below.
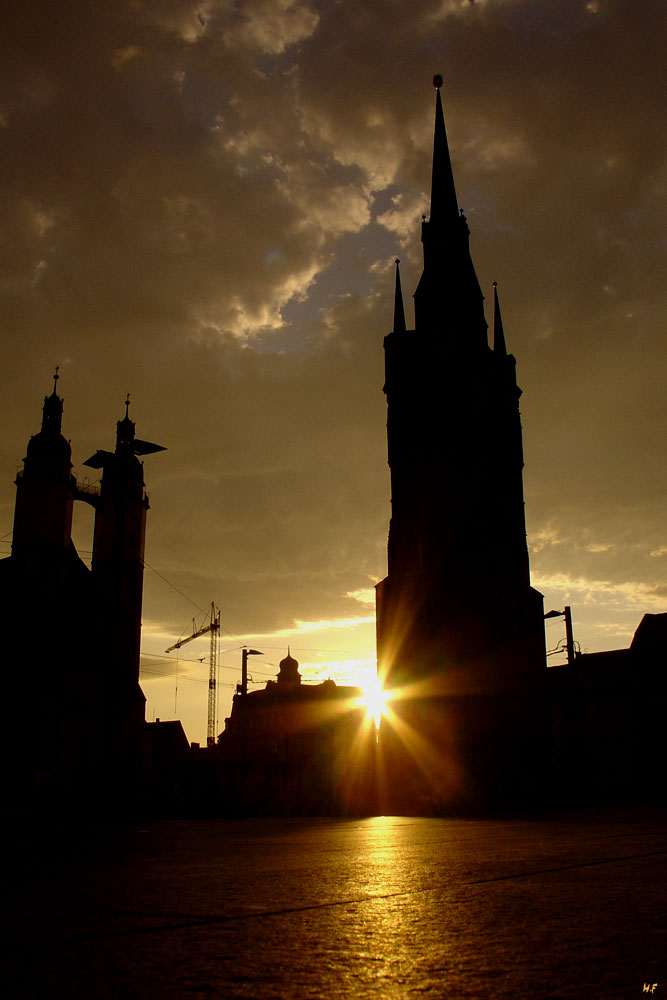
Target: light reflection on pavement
{"x": 567, "y": 907}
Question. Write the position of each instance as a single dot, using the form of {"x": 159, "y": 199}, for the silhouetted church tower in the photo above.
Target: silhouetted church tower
{"x": 76, "y": 707}
{"x": 118, "y": 547}
{"x": 460, "y": 630}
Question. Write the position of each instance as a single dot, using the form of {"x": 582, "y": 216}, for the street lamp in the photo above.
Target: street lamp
{"x": 566, "y": 613}
{"x": 242, "y": 689}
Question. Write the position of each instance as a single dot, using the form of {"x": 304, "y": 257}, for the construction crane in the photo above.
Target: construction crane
{"x": 214, "y": 628}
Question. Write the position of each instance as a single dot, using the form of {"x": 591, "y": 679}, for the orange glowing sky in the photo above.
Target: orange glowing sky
{"x": 201, "y": 204}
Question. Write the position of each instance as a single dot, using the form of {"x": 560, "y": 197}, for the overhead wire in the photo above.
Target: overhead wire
{"x": 221, "y": 666}
{"x": 194, "y": 659}
{"x": 174, "y": 587}
{"x": 171, "y": 673}
{"x": 189, "y": 599}
{"x": 183, "y": 677}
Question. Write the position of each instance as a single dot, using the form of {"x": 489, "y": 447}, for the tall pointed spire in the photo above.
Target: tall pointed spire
{"x": 499, "y": 345}
{"x": 444, "y": 206}
{"x": 399, "y": 312}
{"x": 448, "y": 299}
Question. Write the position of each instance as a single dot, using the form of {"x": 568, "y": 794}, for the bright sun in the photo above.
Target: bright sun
{"x": 374, "y": 699}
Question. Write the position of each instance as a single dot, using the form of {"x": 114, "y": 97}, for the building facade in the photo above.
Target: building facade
{"x": 606, "y": 721}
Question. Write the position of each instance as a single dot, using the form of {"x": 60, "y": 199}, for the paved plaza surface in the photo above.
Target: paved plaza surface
{"x": 563, "y": 906}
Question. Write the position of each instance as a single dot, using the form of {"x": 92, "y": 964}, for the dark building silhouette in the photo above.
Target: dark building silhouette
{"x": 297, "y": 749}
{"x": 169, "y": 786}
{"x": 460, "y": 630}
{"x": 606, "y": 715}
{"x": 118, "y": 564}
{"x": 72, "y": 656}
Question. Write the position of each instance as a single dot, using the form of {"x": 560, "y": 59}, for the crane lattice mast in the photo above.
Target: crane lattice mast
{"x": 213, "y": 677}
{"x": 214, "y": 628}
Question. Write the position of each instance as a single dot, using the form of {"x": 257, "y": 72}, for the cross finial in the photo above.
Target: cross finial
{"x": 56, "y": 376}
{"x": 127, "y": 407}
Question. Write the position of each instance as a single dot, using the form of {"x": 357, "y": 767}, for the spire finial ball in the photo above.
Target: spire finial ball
{"x": 437, "y": 81}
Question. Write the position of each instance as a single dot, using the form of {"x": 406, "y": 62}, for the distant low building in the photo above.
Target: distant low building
{"x": 297, "y": 749}
{"x": 169, "y": 754}
{"x": 607, "y": 715}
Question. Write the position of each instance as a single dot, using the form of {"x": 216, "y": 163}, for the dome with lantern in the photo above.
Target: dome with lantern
{"x": 289, "y": 670}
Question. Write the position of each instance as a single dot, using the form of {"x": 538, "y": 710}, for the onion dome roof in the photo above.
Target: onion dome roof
{"x": 289, "y": 670}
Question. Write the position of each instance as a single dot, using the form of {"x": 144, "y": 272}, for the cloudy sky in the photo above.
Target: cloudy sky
{"x": 201, "y": 203}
